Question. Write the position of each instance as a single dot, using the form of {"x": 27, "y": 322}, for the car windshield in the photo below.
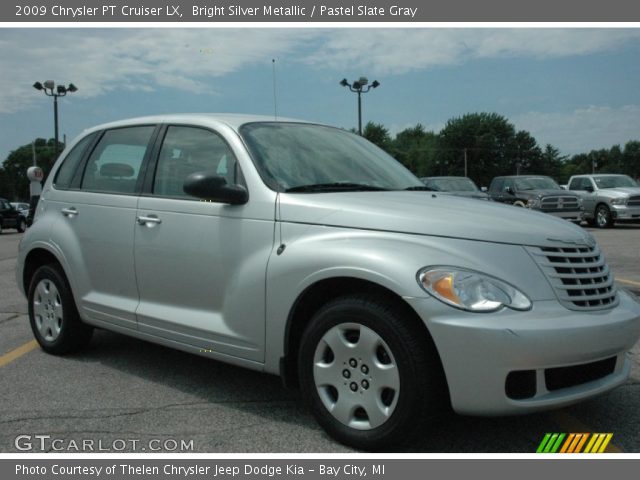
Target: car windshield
{"x": 536, "y": 183}
{"x": 615, "y": 181}
{"x": 460, "y": 184}
{"x": 311, "y": 158}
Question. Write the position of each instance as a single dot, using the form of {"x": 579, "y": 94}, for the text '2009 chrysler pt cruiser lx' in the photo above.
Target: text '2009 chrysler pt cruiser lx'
{"x": 304, "y": 250}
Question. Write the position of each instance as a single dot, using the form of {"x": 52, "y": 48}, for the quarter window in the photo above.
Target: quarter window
{"x": 70, "y": 164}
{"x": 188, "y": 150}
{"x": 115, "y": 163}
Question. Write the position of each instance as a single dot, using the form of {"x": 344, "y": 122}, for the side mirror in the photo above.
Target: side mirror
{"x": 214, "y": 188}
{"x": 589, "y": 189}
{"x": 484, "y": 189}
{"x": 509, "y": 190}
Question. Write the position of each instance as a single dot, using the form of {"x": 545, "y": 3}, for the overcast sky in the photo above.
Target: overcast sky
{"x": 577, "y": 89}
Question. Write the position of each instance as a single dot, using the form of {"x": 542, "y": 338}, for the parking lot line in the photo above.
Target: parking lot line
{"x": 17, "y": 353}
{"x": 629, "y": 282}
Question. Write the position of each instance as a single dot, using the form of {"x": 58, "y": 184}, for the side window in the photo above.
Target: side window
{"x": 508, "y": 183}
{"x": 115, "y": 163}
{"x": 576, "y": 184}
{"x": 496, "y": 185}
{"x": 66, "y": 172}
{"x": 186, "y": 150}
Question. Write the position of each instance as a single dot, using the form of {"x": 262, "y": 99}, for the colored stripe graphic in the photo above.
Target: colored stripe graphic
{"x": 553, "y": 443}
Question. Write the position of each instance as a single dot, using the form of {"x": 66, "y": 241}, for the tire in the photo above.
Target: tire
{"x": 603, "y": 217}
{"x": 0, "y": 226}
{"x": 371, "y": 376}
{"x": 53, "y": 316}
{"x": 591, "y": 222}
{"x": 22, "y": 225}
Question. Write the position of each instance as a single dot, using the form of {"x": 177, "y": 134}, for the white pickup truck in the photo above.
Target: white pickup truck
{"x": 607, "y": 198}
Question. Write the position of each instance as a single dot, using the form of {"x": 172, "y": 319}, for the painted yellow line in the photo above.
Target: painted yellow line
{"x": 571, "y": 424}
{"x": 628, "y": 282}
{"x": 18, "y": 352}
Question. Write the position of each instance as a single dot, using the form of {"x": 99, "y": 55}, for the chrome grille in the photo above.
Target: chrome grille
{"x": 579, "y": 275}
{"x": 560, "y": 203}
{"x": 634, "y": 201}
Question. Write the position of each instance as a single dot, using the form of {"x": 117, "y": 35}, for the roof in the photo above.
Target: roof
{"x": 230, "y": 119}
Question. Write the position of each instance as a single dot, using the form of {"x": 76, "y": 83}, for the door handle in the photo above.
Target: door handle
{"x": 69, "y": 212}
{"x": 150, "y": 219}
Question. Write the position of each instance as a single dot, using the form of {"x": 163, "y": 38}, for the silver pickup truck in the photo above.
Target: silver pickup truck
{"x": 607, "y": 198}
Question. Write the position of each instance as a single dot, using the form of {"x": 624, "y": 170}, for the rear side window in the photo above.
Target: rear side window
{"x": 115, "y": 163}
{"x": 70, "y": 164}
{"x": 188, "y": 150}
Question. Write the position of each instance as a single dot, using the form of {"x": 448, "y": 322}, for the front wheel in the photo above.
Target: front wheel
{"x": 603, "y": 217}
{"x": 22, "y": 225}
{"x": 370, "y": 374}
{"x": 53, "y": 316}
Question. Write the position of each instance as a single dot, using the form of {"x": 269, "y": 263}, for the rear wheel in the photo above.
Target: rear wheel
{"x": 370, "y": 374}
{"x": 22, "y": 225}
{"x": 54, "y": 318}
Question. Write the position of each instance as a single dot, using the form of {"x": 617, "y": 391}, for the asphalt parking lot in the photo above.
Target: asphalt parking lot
{"x": 124, "y": 395}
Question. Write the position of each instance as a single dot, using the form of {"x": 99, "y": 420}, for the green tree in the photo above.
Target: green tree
{"x": 416, "y": 149}
{"x": 14, "y": 184}
{"x": 631, "y": 159}
{"x": 376, "y": 133}
{"x": 489, "y": 141}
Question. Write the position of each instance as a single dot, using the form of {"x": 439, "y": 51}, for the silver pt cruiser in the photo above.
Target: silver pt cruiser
{"x": 305, "y": 251}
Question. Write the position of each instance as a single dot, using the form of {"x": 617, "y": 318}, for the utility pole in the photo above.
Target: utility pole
{"x": 465, "y": 163}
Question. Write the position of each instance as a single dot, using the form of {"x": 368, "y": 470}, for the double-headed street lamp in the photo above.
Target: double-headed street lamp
{"x": 49, "y": 89}
{"x": 360, "y": 86}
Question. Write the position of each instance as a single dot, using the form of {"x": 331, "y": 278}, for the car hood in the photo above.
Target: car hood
{"x": 620, "y": 191}
{"x": 430, "y": 213}
{"x": 545, "y": 193}
{"x": 468, "y": 194}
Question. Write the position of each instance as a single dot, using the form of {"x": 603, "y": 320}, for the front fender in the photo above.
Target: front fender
{"x": 313, "y": 253}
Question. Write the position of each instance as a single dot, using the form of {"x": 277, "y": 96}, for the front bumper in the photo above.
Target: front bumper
{"x": 479, "y": 351}
{"x": 623, "y": 212}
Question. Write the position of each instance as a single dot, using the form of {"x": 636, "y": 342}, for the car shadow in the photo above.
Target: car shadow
{"x": 264, "y": 395}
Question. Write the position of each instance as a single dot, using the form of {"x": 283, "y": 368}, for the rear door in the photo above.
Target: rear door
{"x": 95, "y": 196}
{"x": 200, "y": 266}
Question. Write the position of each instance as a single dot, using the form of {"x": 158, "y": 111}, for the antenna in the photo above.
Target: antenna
{"x": 275, "y": 99}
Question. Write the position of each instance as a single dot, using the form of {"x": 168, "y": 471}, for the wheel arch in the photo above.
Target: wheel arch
{"x": 35, "y": 259}
{"x": 318, "y": 294}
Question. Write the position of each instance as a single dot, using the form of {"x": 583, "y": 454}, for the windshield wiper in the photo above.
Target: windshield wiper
{"x": 335, "y": 187}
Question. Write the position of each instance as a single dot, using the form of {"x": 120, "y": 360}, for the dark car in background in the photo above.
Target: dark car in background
{"x": 537, "y": 192}
{"x": 10, "y": 217}
{"x": 461, "y": 186}
{"x": 22, "y": 207}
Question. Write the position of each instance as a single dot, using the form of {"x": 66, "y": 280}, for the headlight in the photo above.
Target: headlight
{"x": 469, "y": 290}
{"x": 618, "y": 201}
{"x": 533, "y": 202}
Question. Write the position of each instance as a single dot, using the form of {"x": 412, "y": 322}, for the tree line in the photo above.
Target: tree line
{"x": 491, "y": 147}
{"x": 488, "y": 144}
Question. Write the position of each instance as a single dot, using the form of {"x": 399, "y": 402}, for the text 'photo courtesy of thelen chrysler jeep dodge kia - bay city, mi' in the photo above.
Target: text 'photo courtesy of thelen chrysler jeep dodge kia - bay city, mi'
{"x": 305, "y": 251}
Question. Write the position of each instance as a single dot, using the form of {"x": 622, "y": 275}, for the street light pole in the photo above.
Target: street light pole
{"x": 50, "y": 90}
{"x": 360, "y": 86}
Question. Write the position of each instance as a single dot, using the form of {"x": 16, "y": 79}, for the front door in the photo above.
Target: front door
{"x": 200, "y": 266}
